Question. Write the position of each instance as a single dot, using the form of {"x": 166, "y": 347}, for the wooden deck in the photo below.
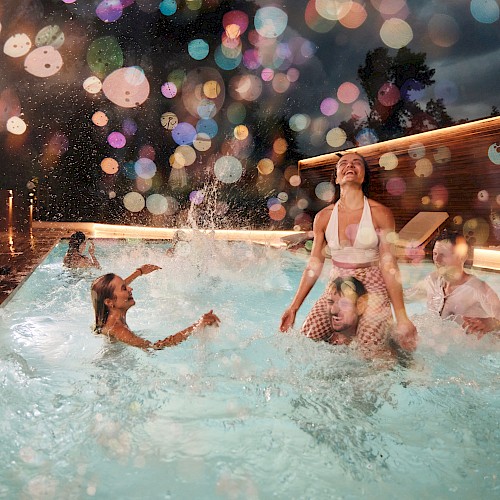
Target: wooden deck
{"x": 21, "y": 251}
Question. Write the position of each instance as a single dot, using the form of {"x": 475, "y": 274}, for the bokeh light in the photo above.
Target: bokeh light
{"x": 388, "y": 95}
{"x": 50, "y": 35}
{"x": 202, "y": 142}
{"x": 17, "y": 45}
{"x": 198, "y": 49}
{"x": 169, "y": 120}
{"x": 228, "y": 169}
{"x": 416, "y": 150}
{"x": 325, "y": 191}
{"x": 333, "y": 10}
{"x": 109, "y": 11}
{"x": 241, "y": 132}
{"x": 483, "y": 195}
{"x": 157, "y": 204}
{"x": 92, "y": 85}
{"x": 169, "y": 90}
{"x": 16, "y": 125}
{"x": 355, "y": 17}
{"x": 423, "y": 168}
{"x": 396, "y": 186}
{"x": 336, "y": 137}
{"x": 476, "y": 231}
{"x": 277, "y": 212}
{"x": 347, "y": 92}
{"x": 265, "y": 166}
{"x": 396, "y": 33}
{"x": 134, "y": 202}
{"x": 270, "y": 22}
{"x": 443, "y": 30}
{"x": 117, "y": 140}
{"x": 494, "y": 153}
{"x": 145, "y": 168}
{"x": 485, "y": 11}
{"x": 100, "y": 119}
{"x": 126, "y": 87}
{"x": 104, "y": 56}
{"x": 183, "y": 133}
{"x": 168, "y": 7}
{"x": 388, "y": 161}
{"x": 43, "y": 62}
{"x": 439, "y": 196}
{"x": 109, "y": 166}
{"x": 329, "y": 106}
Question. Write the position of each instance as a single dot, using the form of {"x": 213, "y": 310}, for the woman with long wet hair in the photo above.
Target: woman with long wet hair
{"x": 112, "y": 298}
{"x": 354, "y": 229}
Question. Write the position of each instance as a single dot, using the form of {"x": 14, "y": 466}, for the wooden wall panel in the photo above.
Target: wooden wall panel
{"x": 465, "y": 182}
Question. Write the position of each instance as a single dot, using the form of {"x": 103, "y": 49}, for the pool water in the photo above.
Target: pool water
{"x": 241, "y": 411}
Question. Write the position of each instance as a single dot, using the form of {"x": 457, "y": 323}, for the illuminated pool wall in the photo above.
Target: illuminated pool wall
{"x": 132, "y": 111}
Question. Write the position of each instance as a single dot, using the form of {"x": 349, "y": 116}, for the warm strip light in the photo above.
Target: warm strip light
{"x": 108, "y": 230}
{"x": 96, "y": 230}
{"x": 400, "y": 142}
{"x": 487, "y": 258}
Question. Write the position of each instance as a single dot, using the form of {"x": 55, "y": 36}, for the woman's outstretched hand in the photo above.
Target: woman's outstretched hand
{"x": 209, "y": 319}
{"x": 406, "y": 335}
{"x": 148, "y": 268}
{"x": 288, "y": 319}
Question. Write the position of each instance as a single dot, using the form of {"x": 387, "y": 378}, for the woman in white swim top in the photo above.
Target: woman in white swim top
{"x": 355, "y": 229}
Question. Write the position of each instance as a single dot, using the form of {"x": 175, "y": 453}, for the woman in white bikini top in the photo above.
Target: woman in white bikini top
{"x": 364, "y": 250}
{"x": 359, "y": 248}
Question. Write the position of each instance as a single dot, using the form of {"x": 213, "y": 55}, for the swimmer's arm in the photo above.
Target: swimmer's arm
{"x": 416, "y": 292}
{"x": 93, "y": 258}
{"x": 207, "y": 319}
{"x": 405, "y": 329}
{"x": 480, "y": 326}
{"x": 144, "y": 269}
{"x": 311, "y": 272}
{"x": 491, "y": 304}
{"x": 124, "y": 334}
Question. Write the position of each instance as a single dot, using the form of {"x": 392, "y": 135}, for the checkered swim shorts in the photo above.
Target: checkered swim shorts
{"x": 374, "y": 325}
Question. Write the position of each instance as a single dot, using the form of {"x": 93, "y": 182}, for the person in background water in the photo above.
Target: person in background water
{"x": 112, "y": 298}
{"x": 355, "y": 229}
{"x": 454, "y": 294}
{"x": 346, "y": 302}
{"x": 74, "y": 257}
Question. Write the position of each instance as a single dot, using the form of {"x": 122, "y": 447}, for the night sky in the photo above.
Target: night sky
{"x": 133, "y": 110}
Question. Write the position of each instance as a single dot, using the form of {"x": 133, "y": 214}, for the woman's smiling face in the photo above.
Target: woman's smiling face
{"x": 122, "y": 294}
{"x": 350, "y": 168}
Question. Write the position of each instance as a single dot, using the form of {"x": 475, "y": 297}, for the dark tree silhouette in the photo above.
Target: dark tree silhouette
{"x": 393, "y": 85}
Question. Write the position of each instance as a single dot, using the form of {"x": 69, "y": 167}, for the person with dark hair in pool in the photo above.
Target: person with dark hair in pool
{"x": 112, "y": 298}
{"x": 355, "y": 229}
{"x": 454, "y": 294}
{"x": 74, "y": 257}
{"x": 346, "y": 302}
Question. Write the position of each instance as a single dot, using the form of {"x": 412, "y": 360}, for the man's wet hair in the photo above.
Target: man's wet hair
{"x": 347, "y": 284}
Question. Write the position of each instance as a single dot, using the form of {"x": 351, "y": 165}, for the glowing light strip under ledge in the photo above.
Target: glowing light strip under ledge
{"x": 487, "y": 258}
{"x": 446, "y": 133}
{"x": 261, "y": 236}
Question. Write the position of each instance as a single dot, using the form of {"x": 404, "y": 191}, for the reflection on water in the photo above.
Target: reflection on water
{"x": 236, "y": 412}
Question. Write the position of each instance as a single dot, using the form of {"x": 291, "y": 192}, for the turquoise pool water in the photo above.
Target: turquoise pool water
{"x": 236, "y": 412}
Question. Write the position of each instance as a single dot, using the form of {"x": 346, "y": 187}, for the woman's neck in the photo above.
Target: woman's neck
{"x": 116, "y": 316}
{"x": 351, "y": 199}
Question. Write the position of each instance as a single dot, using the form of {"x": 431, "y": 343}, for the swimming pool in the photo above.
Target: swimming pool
{"x": 236, "y": 412}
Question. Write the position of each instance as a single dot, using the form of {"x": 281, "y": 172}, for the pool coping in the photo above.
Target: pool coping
{"x": 53, "y": 232}
{"x": 41, "y": 238}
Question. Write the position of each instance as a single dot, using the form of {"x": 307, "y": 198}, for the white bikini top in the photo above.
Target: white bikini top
{"x": 365, "y": 247}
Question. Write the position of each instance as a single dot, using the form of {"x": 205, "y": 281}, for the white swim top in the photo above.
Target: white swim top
{"x": 365, "y": 247}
